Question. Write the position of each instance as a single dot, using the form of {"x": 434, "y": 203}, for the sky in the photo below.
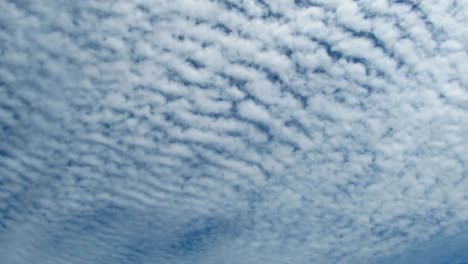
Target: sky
{"x": 233, "y": 131}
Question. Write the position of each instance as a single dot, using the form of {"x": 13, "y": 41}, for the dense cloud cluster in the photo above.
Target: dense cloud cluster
{"x": 250, "y": 131}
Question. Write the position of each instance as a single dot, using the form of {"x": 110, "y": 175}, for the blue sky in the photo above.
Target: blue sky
{"x": 250, "y": 131}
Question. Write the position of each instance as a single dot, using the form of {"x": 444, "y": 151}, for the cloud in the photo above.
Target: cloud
{"x": 232, "y": 131}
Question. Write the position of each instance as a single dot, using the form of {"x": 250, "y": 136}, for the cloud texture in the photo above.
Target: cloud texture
{"x": 250, "y": 131}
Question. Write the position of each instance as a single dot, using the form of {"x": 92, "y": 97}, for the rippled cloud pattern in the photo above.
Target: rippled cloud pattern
{"x": 233, "y": 131}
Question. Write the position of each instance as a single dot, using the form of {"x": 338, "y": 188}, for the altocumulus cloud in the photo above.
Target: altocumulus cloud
{"x": 250, "y": 131}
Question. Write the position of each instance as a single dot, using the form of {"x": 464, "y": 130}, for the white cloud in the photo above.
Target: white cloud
{"x": 242, "y": 131}
{"x": 252, "y": 111}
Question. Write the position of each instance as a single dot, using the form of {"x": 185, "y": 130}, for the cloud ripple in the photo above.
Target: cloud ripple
{"x": 246, "y": 131}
